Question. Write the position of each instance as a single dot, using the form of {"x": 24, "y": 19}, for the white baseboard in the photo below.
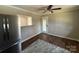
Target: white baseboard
{"x": 64, "y": 37}
{"x": 29, "y": 37}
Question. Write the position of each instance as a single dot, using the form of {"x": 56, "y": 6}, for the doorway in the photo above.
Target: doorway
{"x": 45, "y": 24}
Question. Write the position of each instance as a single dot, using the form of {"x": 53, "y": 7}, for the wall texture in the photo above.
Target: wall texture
{"x": 64, "y": 24}
{"x": 29, "y": 31}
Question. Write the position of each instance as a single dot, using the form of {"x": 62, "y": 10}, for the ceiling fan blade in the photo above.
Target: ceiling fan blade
{"x": 44, "y": 11}
{"x": 49, "y": 7}
{"x": 56, "y": 9}
{"x": 51, "y": 11}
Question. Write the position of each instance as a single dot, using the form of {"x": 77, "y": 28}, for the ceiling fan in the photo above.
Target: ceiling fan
{"x": 49, "y": 8}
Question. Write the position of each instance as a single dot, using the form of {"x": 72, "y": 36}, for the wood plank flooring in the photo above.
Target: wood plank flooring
{"x": 68, "y": 44}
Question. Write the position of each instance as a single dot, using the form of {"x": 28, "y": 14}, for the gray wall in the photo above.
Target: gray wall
{"x": 29, "y": 31}
{"x": 64, "y": 24}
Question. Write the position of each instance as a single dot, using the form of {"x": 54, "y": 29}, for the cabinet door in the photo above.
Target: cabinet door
{"x": 13, "y": 29}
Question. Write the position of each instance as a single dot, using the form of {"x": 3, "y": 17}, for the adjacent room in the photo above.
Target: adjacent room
{"x": 39, "y": 28}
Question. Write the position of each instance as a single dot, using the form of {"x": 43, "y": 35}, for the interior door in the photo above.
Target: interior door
{"x": 45, "y": 24}
{"x": 13, "y": 29}
{"x": 9, "y": 31}
{"x": 3, "y": 34}
{"x": 1, "y": 31}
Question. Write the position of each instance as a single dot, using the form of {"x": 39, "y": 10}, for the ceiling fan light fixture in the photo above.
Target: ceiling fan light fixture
{"x": 49, "y": 9}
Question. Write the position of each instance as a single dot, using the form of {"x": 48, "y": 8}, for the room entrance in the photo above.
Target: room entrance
{"x": 45, "y": 24}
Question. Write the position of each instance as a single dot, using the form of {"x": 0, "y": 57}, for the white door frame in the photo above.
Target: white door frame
{"x": 45, "y": 24}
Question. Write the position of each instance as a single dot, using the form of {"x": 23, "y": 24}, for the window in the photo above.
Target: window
{"x": 25, "y": 20}
{"x": 29, "y": 21}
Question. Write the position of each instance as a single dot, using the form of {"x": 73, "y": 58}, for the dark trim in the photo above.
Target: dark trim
{"x": 26, "y": 43}
{"x": 68, "y": 44}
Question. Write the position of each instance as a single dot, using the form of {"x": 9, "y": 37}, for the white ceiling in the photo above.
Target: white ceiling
{"x": 35, "y": 8}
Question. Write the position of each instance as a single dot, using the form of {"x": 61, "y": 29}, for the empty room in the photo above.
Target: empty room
{"x": 39, "y": 28}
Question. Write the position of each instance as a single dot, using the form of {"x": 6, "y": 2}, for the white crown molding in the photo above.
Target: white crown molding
{"x": 22, "y": 9}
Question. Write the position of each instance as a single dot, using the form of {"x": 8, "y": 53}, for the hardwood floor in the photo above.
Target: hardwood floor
{"x": 26, "y": 43}
{"x": 68, "y": 44}
{"x": 41, "y": 46}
